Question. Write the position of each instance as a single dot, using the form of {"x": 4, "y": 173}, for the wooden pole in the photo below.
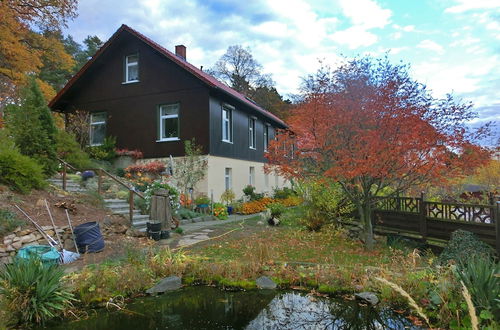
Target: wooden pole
{"x": 131, "y": 205}
{"x": 65, "y": 169}
{"x": 99, "y": 181}
{"x": 496, "y": 218}
{"x": 423, "y": 217}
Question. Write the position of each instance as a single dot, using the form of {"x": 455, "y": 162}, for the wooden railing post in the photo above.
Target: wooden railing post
{"x": 131, "y": 205}
{"x": 423, "y": 217}
{"x": 99, "y": 181}
{"x": 65, "y": 169}
{"x": 496, "y": 218}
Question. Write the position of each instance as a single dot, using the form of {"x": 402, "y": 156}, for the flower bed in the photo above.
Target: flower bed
{"x": 260, "y": 205}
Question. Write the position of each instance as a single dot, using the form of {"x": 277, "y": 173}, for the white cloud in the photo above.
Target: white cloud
{"x": 467, "y": 5}
{"x": 355, "y": 37}
{"x": 431, "y": 45}
{"x": 366, "y": 13}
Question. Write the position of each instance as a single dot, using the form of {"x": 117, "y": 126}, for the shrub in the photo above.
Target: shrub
{"x": 33, "y": 292}
{"x": 220, "y": 211}
{"x": 9, "y": 222}
{"x": 120, "y": 172}
{"x": 324, "y": 202}
{"x": 462, "y": 245}
{"x": 68, "y": 149}
{"x": 172, "y": 193}
{"x": 227, "y": 196}
{"x": 291, "y": 201}
{"x": 187, "y": 214}
{"x": 122, "y": 194}
{"x": 136, "y": 154}
{"x": 155, "y": 167}
{"x": 276, "y": 209}
{"x": 481, "y": 276}
{"x": 283, "y": 193}
{"x": 178, "y": 230}
{"x": 19, "y": 172}
{"x": 256, "y": 206}
{"x": 249, "y": 191}
{"x": 31, "y": 124}
{"x": 202, "y": 199}
{"x": 141, "y": 204}
{"x": 106, "y": 151}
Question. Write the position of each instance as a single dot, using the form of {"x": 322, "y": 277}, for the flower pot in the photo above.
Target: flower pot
{"x": 229, "y": 210}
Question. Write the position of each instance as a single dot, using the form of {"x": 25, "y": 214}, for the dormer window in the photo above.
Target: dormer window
{"x": 131, "y": 68}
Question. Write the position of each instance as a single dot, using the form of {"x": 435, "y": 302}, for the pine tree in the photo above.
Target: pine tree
{"x": 31, "y": 124}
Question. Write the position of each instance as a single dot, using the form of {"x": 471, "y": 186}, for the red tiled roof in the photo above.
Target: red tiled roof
{"x": 203, "y": 76}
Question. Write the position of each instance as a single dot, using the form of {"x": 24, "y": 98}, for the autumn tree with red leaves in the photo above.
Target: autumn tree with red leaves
{"x": 368, "y": 125}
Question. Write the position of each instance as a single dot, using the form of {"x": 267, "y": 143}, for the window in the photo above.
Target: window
{"x": 251, "y": 132}
{"x": 169, "y": 122}
{"x": 266, "y": 137}
{"x": 251, "y": 176}
{"x": 227, "y": 178}
{"x": 131, "y": 68}
{"x": 227, "y": 124}
{"x": 97, "y": 128}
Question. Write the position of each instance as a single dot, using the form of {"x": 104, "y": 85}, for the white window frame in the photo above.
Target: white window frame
{"x": 266, "y": 137}
{"x": 128, "y": 66}
{"x": 251, "y": 176}
{"x": 162, "y": 117}
{"x": 228, "y": 178}
{"x": 229, "y": 120}
{"x": 92, "y": 123}
{"x": 252, "y": 137}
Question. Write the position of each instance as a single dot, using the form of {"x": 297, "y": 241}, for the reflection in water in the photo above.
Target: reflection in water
{"x": 210, "y": 308}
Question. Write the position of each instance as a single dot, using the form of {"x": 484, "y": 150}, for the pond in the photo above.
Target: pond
{"x": 211, "y": 308}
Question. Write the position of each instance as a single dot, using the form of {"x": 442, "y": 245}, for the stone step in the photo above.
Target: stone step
{"x": 116, "y": 200}
{"x": 125, "y": 211}
{"x": 117, "y": 205}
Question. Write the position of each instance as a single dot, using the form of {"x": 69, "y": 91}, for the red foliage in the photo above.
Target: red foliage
{"x": 155, "y": 167}
{"x": 368, "y": 125}
{"x": 136, "y": 154}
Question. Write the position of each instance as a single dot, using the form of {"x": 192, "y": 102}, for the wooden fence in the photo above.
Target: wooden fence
{"x": 437, "y": 220}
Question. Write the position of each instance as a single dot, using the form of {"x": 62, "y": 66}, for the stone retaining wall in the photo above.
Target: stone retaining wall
{"x": 24, "y": 237}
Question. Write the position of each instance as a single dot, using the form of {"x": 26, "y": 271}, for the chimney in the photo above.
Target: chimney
{"x": 180, "y": 50}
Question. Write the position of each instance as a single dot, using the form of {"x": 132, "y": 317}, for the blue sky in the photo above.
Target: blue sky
{"x": 452, "y": 45}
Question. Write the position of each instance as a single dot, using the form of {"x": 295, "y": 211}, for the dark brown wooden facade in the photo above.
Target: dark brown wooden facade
{"x": 164, "y": 78}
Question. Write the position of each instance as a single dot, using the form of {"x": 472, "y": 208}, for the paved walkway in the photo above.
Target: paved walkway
{"x": 199, "y": 231}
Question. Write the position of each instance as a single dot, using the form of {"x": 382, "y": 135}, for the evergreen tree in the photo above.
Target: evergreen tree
{"x": 31, "y": 124}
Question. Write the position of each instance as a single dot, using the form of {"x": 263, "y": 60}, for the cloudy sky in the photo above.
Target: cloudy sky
{"x": 452, "y": 45}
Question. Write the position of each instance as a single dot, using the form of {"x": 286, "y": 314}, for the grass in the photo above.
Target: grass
{"x": 326, "y": 261}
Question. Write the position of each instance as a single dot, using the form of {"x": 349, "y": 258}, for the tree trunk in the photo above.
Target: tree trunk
{"x": 365, "y": 216}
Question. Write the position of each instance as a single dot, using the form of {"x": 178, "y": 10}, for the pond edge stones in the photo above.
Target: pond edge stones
{"x": 265, "y": 282}
{"x": 170, "y": 283}
{"x": 368, "y": 297}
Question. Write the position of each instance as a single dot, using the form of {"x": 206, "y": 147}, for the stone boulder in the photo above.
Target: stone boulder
{"x": 170, "y": 283}
{"x": 265, "y": 282}
{"x": 367, "y": 297}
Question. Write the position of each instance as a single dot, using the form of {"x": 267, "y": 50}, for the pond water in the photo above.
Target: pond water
{"x": 211, "y": 308}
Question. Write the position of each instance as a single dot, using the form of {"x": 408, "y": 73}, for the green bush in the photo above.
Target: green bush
{"x": 120, "y": 172}
{"x": 481, "y": 277}
{"x": 187, "y": 214}
{"x": 33, "y": 292}
{"x": 462, "y": 245}
{"x": 9, "y": 222}
{"x": 69, "y": 150}
{"x": 276, "y": 209}
{"x": 202, "y": 199}
{"x": 19, "y": 172}
{"x": 178, "y": 230}
{"x": 324, "y": 202}
{"x": 141, "y": 204}
{"x": 32, "y": 127}
{"x": 106, "y": 151}
{"x": 283, "y": 193}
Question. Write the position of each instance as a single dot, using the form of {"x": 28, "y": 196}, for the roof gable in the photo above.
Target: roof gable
{"x": 209, "y": 80}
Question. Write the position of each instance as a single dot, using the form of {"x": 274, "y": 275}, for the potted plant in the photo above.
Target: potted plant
{"x": 202, "y": 203}
{"x": 227, "y": 198}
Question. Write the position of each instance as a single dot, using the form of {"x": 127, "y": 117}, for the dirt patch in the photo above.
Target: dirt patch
{"x": 83, "y": 207}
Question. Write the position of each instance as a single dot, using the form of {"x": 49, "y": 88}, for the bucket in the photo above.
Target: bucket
{"x": 156, "y": 235}
{"x": 164, "y": 234}
{"x": 153, "y": 230}
{"x": 88, "y": 237}
{"x": 47, "y": 254}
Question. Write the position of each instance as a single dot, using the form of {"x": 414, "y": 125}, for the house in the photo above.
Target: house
{"x": 153, "y": 100}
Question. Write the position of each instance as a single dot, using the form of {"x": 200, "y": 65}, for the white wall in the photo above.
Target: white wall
{"x": 214, "y": 181}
